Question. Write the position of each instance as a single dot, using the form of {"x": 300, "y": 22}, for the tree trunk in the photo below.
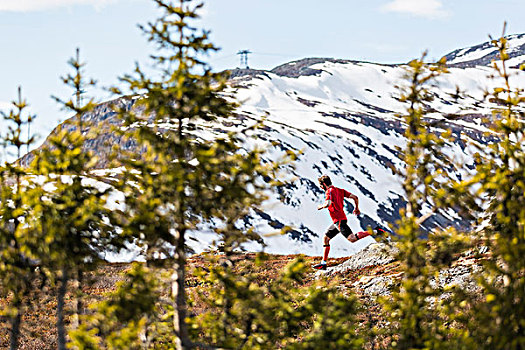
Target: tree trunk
{"x": 179, "y": 296}
{"x": 15, "y": 327}
{"x": 144, "y": 336}
{"x": 61, "y": 328}
{"x": 75, "y": 323}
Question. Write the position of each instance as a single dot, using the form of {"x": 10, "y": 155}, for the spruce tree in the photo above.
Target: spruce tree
{"x": 16, "y": 269}
{"x": 497, "y": 321}
{"x": 244, "y": 313}
{"x": 69, "y": 227}
{"x": 178, "y": 179}
{"x": 417, "y": 320}
{"x": 120, "y": 320}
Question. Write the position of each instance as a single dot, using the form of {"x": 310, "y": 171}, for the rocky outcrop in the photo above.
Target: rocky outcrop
{"x": 374, "y": 255}
{"x": 379, "y": 271}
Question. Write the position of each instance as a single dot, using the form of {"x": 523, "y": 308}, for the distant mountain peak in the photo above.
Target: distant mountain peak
{"x": 302, "y": 67}
{"x": 483, "y": 54}
{"x": 298, "y": 68}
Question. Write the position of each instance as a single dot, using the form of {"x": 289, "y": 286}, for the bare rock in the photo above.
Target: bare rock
{"x": 374, "y": 255}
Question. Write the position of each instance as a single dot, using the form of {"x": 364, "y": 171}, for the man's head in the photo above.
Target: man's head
{"x": 325, "y": 181}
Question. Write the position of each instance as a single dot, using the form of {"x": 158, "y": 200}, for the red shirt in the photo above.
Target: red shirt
{"x": 336, "y": 208}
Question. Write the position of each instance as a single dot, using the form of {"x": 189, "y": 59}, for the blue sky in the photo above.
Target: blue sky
{"x": 39, "y": 36}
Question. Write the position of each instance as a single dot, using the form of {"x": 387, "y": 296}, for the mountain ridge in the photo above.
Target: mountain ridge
{"x": 342, "y": 118}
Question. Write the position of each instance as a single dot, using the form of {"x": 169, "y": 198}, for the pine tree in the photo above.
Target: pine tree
{"x": 414, "y": 309}
{"x": 243, "y": 313}
{"x": 497, "y": 321}
{"x": 16, "y": 269}
{"x": 119, "y": 321}
{"x": 180, "y": 180}
{"x": 69, "y": 227}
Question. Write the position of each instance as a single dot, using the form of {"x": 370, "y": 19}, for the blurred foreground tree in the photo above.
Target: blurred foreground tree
{"x": 241, "y": 313}
{"x": 69, "y": 227}
{"x": 498, "y": 321}
{"x": 16, "y": 269}
{"x": 415, "y": 311}
{"x": 177, "y": 180}
{"x": 121, "y": 320}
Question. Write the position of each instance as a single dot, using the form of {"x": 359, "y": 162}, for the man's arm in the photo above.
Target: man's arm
{"x": 356, "y": 200}
{"x": 325, "y": 205}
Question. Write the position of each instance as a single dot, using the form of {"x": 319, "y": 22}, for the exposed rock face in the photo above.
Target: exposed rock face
{"x": 246, "y": 73}
{"x": 302, "y": 67}
{"x": 374, "y": 255}
{"x": 380, "y": 271}
{"x": 103, "y": 118}
{"x": 462, "y": 273}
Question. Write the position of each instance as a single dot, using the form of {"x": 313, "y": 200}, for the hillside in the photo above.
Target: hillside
{"x": 371, "y": 273}
{"x": 342, "y": 117}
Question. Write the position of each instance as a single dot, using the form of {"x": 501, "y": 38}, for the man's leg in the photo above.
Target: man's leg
{"x": 362, "y": 234}
{"x": 347, "y": 231}
{"x": 353, "y": 237}
{"x": 377, "y": 230}
{"x": 330, "y": 233}
{"x": 326, "y": 248}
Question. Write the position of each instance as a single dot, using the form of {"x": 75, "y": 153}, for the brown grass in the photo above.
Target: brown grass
{"x": 38, "y": 323}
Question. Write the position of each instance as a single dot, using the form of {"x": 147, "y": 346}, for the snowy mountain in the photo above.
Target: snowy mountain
{"x": 343, "y": 116}
{"x": 483, "y": 54}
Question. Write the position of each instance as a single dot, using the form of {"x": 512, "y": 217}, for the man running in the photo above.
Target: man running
{"x": 335, "y": 204}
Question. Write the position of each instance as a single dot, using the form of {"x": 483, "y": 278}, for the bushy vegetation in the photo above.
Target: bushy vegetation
{"x": 55, "y": 224}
